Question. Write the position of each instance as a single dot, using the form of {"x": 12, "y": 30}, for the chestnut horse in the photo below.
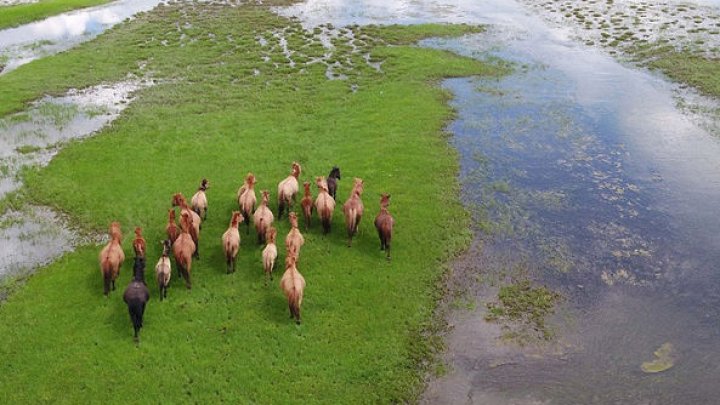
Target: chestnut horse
{"x": 324, "y": 204}
{"x": 139, "y": 243}
{"x": 112, "y": 258}
{"x": 231, "y": 241}
{"x": 171, "y": 228}
{"x": 183, "y": 249}
{"x": 193, "y": 222}
{"x": 294, "y": 239}
{"x": 384, "y": 224}
{"x": 307, "y": 204}
{"x": 269, "y": 254}
{"x": 263, "y": 217}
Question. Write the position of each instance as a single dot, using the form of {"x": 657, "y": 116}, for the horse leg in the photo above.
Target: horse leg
{"x": 227, "y": 262}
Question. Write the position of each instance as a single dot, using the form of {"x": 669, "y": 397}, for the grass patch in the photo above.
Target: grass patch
{"x": 12, "y": 16}
{"x": 230, "y": 338}
{"x": 522, "y": 304}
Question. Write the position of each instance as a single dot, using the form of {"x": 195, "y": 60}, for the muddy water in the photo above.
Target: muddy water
{"x": 26, "y": 43}
{"x": 584, "y": 176}
{"x": 32, "y": 236}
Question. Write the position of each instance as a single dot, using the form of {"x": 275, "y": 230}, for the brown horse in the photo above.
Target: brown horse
{"x": 293, "y": 285}
{"x": 307, "y": 204}
{"x": 171, "y": 228}
{"x": 183, "y": 249}
{"x": 193, "y": 222}
{"x": 353, "y": 210}
{"x": 231, "y": 241}
{"x": 324, "y": 204}
{"x": 263, "y": 217}
{"x": 287, "y": 189}
{"x": 139, "y": 243}
{"x": 199, "y": 201}
{"x": 247, "y": 199}
{"x": 384, "y": 224}
{"x": 112, "y": 258}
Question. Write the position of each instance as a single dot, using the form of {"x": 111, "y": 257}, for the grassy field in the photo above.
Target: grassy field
{"x": 12, "y": 16}
{"x": 224, "y": 105}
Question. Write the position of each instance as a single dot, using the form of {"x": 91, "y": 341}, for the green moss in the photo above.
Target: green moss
{"x": 664, "y": 360}
{"x": 521, "y": 302}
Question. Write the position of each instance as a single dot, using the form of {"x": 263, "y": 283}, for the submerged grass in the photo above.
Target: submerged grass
{"x": 12, "y": 16}
{"x": 221, "y": 111}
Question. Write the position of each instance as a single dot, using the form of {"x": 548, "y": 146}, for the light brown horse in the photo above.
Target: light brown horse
{"x": 263, "y": 217}
{"x": 139, "y": 243}
{"x": 353, "y": 210}
{"x": 269, "y": 254}
{"x": 193, "y": 222}
{"x": 231, "y": 241}
{"x": 307, "y": 204}
{"x": 293, "y": 285}
{"x": 112, "y": 258}
{"x": 247, "y": 199}
{"x": 199, "y": 201}
{"x": 324, "y": 204}
{"x": 163, "y": 269}
{"x": 384, "y": 224}
{"x": 294, "y": 239}
{"x": 183, "y": 249}
{"x": 287, "y": 189}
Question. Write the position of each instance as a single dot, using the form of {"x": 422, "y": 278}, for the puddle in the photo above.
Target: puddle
{"x": 26, "y": 43}
{"x": 33, "y": 236}
{"x": 586, "y": 178}
{"x": 33, "y": 137}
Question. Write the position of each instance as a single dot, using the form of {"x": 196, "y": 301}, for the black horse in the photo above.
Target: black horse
{"x": 137, "y": 295}
{"x": 332, "y": 179}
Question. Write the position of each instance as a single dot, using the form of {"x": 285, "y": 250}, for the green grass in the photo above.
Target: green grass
{"x": 230, "y": 338}
{"x": 12, "y": 16}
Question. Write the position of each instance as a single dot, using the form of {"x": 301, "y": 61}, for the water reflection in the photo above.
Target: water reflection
{"x": 55, "y": 34}
{"x": 596, "y": 185}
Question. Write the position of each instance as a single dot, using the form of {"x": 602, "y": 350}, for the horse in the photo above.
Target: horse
{"x": 136, "y": 296}
{"x": 307, "y": 204}
{"x": 384, "y": 224}
{"x": 163, "y": 269}
{"x": 111, "y": 258}
{"x": 247, "y": 199}
{"x": 199, "y": 202}
{"x": 171, "y": 229}
{"x": 183, "y": 249}
{"x": 293, "y": 285}
{"x": 353, "y": 210}
{"x": 287, "y": 189}
{"x": 263, "y": 217}
{"x": 294, "y": 239}
{"x": 231, "y": 241}
{"x": 139, "y": 243}
{"x": 332, "y": 179}
{"x": 193, "y": 223}
{"x": 324, "y": 204}
{"x": 269, "y": 254}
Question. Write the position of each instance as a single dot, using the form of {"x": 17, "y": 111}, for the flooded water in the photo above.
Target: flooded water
{"x": 585, "y": 177}
{"x": 32, "y": 138}
{"x": 26, "y": 43}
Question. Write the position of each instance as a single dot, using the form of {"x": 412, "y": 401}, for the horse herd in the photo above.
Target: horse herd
{"x": 183, "y": 241}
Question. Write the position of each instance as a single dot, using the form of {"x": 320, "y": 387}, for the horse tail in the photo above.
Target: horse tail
{"x": 197, "y": 210}
{"x": 107, "y": 278}
{"x": 135, "y": 308}
{"x": 325, "y": 217}
{"x": 294, "y": 304}
{"x": 352, "y": 217}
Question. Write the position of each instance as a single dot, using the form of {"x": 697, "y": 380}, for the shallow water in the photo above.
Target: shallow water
{"x": 594, "y": 183}
{"x": 32, "y": 138}
{"x": 26, "y": 43}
